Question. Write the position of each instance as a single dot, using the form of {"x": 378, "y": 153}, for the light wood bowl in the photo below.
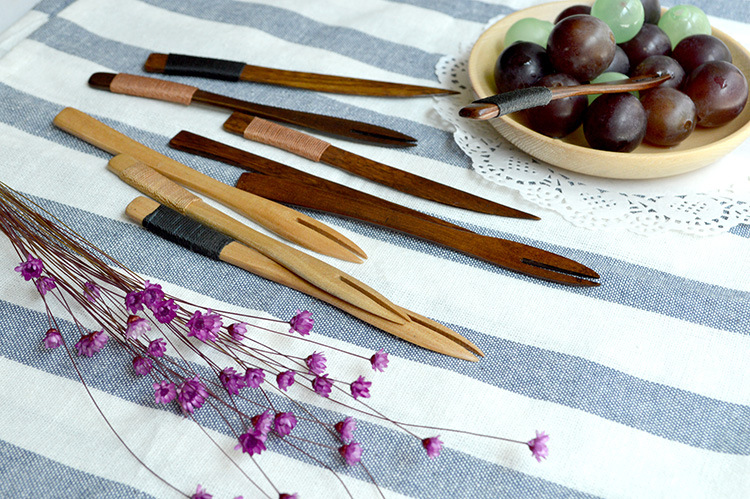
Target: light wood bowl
{"x": 703, "y": 147}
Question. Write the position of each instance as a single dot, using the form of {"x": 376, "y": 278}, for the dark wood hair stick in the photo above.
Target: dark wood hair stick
{"x": 526, "y": 98}
{"x": 220, "y": 69}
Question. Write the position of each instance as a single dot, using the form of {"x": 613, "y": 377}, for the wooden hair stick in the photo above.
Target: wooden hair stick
{"x": 289, "y": 224}
{"x": 526, "y": 98}
{"x": 314, "y": 149}
{"x": 177, "y": 228}
{"x": 152, "y": 88}
{"x": 315, "y": 271}
{"x": 220, "y": 69}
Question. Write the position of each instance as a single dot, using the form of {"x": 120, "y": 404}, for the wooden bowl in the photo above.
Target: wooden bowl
{"x": 703, "y": 147}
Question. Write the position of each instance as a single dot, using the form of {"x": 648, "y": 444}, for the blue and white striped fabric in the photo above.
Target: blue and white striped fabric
{"x": 642, "y": 383}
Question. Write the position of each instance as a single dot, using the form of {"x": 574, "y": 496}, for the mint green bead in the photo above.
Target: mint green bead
{"x": 607, "y": 77}
{"x": 682, "y": 21}
{"x": 624, "y": 17}
{"x": 528, "y": 30}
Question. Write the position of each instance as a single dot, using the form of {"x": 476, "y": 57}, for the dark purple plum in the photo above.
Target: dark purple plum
{"x": 661, "y": 65}
{"x": 520, "y": 66}
{"x": 572, "y": 11}
{"x": 671, "y": 116}
{"x": 719, "y": 91}
{"x": 615, "y": 122}
{"x": 620, "y": 63}
{"x": 651, "y": 11}
{"x": 561, "y": 116}
{"x": 694, "y": 50}
{"x": 581, "y": 46}
{"x": 650, "y": 40}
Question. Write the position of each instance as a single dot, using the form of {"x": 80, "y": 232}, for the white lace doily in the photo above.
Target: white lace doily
{"x": 707, "y": 201}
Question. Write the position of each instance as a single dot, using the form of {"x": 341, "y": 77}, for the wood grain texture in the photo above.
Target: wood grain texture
{"x": 418, "y": 330}
{"x": 317, "y": 272}
{"x": 156, "y": 63}
{"x": 339, "y": 127}
{"x": 511, "y": 255}
{"x": 287, "y": 223}
{"x": 394, "y": 178}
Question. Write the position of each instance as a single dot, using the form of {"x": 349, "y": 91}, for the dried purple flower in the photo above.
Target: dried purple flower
{"x": 157, "y": 347}
{"x": 361, "y": 388}
{"x": 538, "y": 446}
{"x": 52, "y": 338}
{"x": 379, "y": 361}
{"x": 204, "y": 326}
{"x": 287, "y": 496}
{"x": 134, "y": 301}
{"x": 346, "y": 429}
{"x": 191, "y": 395}
{"x": 263, "y": 422}
{"x": 284, "y": 423}
{"x": 45, "y": 283}
{"x": 31, "y": 268}
{"x": 237, "y": 331}
{"x": 164, "y": 311}
{"x": 254, "y": 377}
{"x": 89, "y": 344}
{"x": 316, "y": 363}
{"x": 91, "y": 291}
{"x": 252, "y": 442}
{"x": 433, "y": 446}
{"x": 136, "y": 326}
{"x": 322, "y": 385}
{"x": 285, "y": 379}
{"x": 302, "y": 322}
{"x": 142, "y": 365}
{"x": 231, "y": 380}
{"x": 164, "y": 392}
{"x": 151, "y": 295}
{"x": 201, "y": 493}
{"x": 351, "y": 452}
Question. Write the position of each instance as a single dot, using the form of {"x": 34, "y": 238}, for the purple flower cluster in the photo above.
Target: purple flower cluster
{"x": 316, "y": 363}
{"x": 237, "y": 331}
{"x": 52, "y": 338}
{"x": 379, "y": 361}
{"x": 284, "y": 423}
{"x": 346, "y": 429}
{"x": 322, "y": 385}
{"x": 361, "y": 388}
{"x": 157, "y": 347}
{"x": 89, "y": 344}
{"x": 45, "y": 283}
{"x": 538, "y": 446}
{"x": 302, "y": 322}
{"x": 142, "y": 365}
{"x": 231, "y": 380}
{"x": 263, "y": 422}
{"x": 191, "y": 395}
{"x": 152, "y": 297}
{"x": 136, "y": 326}
{"x": 285, "y": 380}
{"x": 164, "y": 392}
{"x": 352, "y": 453}
{"x": 254, "y": 377}
{"x": 433, "y": 446}
{"x": 204, "y": 326}
{"x": 31, "y": 268}
{"x": 91, "y": 291}
{"x": 252, "y": 442}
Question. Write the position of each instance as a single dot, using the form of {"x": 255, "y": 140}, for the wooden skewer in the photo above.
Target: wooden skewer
{"x": 315, "y": 271}
{"x": 525, "y": 98}
{"x": 309, "y": 147}
{"x": 219, "y": 69}
{"x": 289, "y": 224}
{"x": 418, "y": 330}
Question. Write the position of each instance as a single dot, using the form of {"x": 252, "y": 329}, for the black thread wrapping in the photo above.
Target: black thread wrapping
{"x": 186, "y": 232}
{"x": 188, "y": 65}
{"x": 518, "y": 100}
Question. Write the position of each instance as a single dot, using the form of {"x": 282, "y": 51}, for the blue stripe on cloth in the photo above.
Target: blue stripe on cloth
{"x": 293, "y": 27}
{"x": 70, "y": 38}
{"x": 568, "y": 380}
{"x": 27, "y": 474}
{"x": 674, "y": 296}
{"x": 388, "y": 454}
{"x": 742, "y": 230}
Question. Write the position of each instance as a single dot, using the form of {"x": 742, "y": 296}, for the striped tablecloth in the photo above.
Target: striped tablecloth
{"x": 643, "y": 383}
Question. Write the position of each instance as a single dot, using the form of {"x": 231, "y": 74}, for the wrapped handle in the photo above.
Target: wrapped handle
{"x": 152, "y": 88}
{"x": 206, "y": 67}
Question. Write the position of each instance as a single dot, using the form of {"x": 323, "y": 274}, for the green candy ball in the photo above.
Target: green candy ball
{"x": 682, "y": 21}
{"x": 624, "y": 17}
{"x": 528, "y": 30}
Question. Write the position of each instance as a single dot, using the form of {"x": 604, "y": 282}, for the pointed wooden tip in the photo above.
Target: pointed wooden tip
{"x": 479, "y": 111}
{"x": 155, "y": 63}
